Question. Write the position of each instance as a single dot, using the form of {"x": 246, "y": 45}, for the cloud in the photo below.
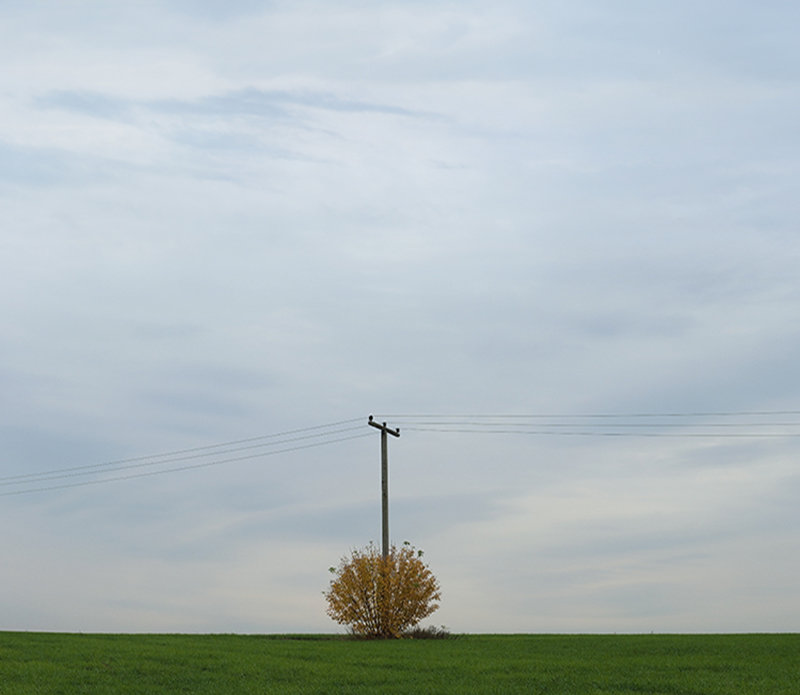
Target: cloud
{"x": 265, "y": 103}
{"x": 92, "y": 104}
{"x": 43, "y": 167}
{"x": 221, "y": 223}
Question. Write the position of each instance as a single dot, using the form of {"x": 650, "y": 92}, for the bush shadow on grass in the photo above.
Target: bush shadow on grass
{"x": 430, "y": 632}
{"x": 312, "y": 637}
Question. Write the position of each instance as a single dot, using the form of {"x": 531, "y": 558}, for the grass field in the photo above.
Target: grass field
{"x": 220, "y": 664}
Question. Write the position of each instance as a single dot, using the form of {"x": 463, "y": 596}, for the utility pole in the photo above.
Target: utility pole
{"x": 385, "y": 479}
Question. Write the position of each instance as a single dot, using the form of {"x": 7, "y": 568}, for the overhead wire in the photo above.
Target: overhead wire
{"x": 717, "y": 413}
{"x": 648, "y": 424}
{"x": 530, "y": 424}
{"x": 595, "y": 433}
{"x": 206, "y": 464}
{"x": 110, "y": 468}
{"x": 168, "y": 454}
{"x": 633, "y": 425}
{"x": 267, "y": 445}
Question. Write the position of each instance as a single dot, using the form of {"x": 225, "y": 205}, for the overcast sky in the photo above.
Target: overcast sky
{"x": 230, "y": 220}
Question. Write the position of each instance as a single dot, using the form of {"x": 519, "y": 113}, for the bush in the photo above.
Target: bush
{"x": 379, "y": 597}
{"x": 430, "y": 632}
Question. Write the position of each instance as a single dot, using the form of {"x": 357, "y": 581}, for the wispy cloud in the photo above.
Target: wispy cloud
{"x": 93, "y": 104}
{"x": 267, "y": 104}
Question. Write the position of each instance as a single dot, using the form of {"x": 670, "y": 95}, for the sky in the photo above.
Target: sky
{"x": 555, "y": 243}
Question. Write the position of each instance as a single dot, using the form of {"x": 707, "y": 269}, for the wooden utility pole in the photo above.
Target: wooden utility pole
{"x": 385, "y": 479}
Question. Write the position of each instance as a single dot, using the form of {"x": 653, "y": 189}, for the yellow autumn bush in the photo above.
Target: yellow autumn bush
{"x": 380, "y": 597}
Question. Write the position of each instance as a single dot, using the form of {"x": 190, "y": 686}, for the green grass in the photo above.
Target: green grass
{"x": 581, "y": 664}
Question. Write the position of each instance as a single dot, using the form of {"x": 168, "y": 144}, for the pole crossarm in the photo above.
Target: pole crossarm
{"x": 384, "y": 479}
{"x": 383, "y": 428}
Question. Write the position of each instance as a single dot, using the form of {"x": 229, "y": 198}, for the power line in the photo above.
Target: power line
{"x": 497, "y": 416}
{"x": 110, "y": 468}
{"x": 195, "y": 466}
{"x": 650, "y": 424}
{"x": 486, "y": 425}
{"x": 603, "y": 433}
{"x": 530, "y": 424}
{"x": 181, "y": 454}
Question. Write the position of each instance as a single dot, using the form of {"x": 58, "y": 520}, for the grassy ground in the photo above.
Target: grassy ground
{"x": 585, "y": 664}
